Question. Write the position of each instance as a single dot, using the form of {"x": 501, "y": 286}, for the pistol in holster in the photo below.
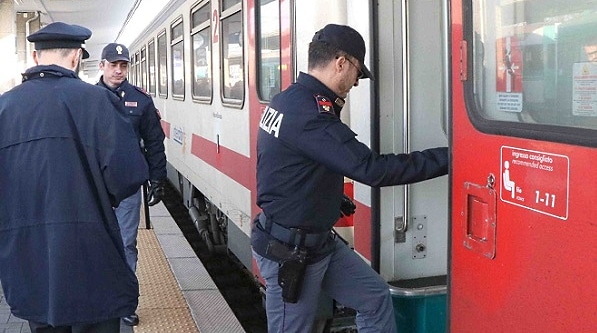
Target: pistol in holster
{"x": 293, "y": 262}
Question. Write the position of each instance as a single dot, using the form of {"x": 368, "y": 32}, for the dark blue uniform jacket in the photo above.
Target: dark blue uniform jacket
{"x": 145, "y": 119}
{"x": 304, "y": 151}
{"x": 67, "y": 156}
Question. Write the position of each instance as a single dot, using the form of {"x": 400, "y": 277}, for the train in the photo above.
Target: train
{"x": 501, "y": 244}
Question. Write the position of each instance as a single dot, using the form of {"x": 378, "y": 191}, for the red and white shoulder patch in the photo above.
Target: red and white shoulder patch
{"x": 324, "y": 104}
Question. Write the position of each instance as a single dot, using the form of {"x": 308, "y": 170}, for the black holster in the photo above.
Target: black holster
{"x": 293, "y": 263}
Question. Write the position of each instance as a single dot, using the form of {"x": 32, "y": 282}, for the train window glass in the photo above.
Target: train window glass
{"x": 133, "y": 70}
{"x": 143, "y": 64}
{"x": 535, "y": 62}
{"x": 151, "y": 67}
{"x": 130, "y": 73}
{"x": 268, "y": 48}
{"x": 177, "y": 54}
{"x": 200, "y": 15}
{"x": 232, "y": 59}
{"x": 201, "y": 46}
{"x": 162, "y": 65}
{"x": 227, "y": 4}
{"x": 137, "y": 69}
{"x": 176, "y": 31}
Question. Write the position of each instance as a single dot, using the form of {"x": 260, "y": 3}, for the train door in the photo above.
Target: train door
{"x": 524, "y": 78}
{"x": 402, "y": 230}
{"x": 414, "y": 217}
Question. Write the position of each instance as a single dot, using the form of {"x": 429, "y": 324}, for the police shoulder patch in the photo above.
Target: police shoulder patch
{"x": 324, "y": 104}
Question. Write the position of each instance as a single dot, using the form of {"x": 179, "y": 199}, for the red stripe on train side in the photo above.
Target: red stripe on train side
{"x": 232, "y": 164}
{"x": 166, "y": 128}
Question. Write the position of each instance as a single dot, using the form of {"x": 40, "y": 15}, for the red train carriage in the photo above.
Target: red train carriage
{"x": 523, "y": 137}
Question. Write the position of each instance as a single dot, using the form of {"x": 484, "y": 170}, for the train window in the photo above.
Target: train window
{"x": 201, "y": 46}
{"x": 227, "y": 4}
{"x": 162, "y": 65}
{"x": 130, "y": 73}
{"x": 268, "y": 48}
{"x": 177, "y": 57}
{"x": 151, "y": 67}
{"x": 133, "y": 70}
{"x": 143, "y": 63}
{"x": 137, "y": 69}
{"x": 233, "y": 86}
{"x": 534, "y": 64}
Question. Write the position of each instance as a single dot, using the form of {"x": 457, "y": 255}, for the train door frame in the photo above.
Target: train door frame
{"x": 411, "y": 104}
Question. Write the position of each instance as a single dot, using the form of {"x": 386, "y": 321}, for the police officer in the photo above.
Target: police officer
{"x": 67, "y": 157}
{"x": 145, "y": 119}
{"x": 303, "y": 153}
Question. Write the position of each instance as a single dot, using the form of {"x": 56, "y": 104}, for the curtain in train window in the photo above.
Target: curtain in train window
{"x": 268, "y": 48}
{"x": 536, "y": 61}
{"x": 232, "y": 57}
{"x": 177, "y": 56}
{"x": 162, "y": 65}
{"x": 151, "y": 67}
{"x": 201, "y": 45}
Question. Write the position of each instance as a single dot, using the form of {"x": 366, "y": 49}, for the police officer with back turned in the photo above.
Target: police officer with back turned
{"x": 303, "y": 153}
{"x": 67, "y": 157}
{"x": 146, "y": 122}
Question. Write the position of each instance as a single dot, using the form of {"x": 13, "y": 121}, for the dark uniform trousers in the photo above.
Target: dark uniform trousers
{"x": 143, "y": 116}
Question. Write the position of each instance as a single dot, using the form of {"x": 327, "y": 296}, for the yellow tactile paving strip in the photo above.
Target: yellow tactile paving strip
{"x": 162, "y": 307}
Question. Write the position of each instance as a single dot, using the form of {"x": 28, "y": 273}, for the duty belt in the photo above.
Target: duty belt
{"x": 292, "y": 236}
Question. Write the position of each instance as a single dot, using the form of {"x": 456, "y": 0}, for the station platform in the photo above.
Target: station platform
{"x": 176, "y": 292}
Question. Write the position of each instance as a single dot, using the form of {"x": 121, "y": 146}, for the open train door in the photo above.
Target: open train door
{"x": 412, "y": 220}
{"x": 524, "y": 132}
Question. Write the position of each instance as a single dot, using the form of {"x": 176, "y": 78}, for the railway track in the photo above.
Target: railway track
{"x": 236, "y": 284}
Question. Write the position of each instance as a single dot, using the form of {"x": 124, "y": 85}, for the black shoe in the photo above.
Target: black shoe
{"x": 132, "y": 320}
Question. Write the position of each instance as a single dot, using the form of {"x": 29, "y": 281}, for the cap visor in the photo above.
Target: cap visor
{"x": 85, "y": 54}
{"x": 367, "y": 73}
{"x": 115, "y": 59}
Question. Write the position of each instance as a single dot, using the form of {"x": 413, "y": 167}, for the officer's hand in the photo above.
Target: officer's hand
{"x": 347, "y": 207}
{"x": 156, "y": 192}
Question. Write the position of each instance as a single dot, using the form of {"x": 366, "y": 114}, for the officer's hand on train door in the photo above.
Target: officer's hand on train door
{"x": 156, "y": 192}
{"x": 347, "y": 207}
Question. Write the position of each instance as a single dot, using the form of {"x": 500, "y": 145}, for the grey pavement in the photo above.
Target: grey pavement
{"x": 8, "y": 322}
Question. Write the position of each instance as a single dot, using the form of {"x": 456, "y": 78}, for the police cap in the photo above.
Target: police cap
{"x": 346, "y": 39}
{"x": 115, "y": 52}
{"x": 59, "y": 35}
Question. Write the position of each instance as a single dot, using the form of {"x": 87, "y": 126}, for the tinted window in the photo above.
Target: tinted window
{"x": 151, "y": 67}
{"x": 162, "y": 65}
{"x": 232, "y": 58}
{"x": 177, "y": 53}
{"x": 201, "y": 46}
{"x": 268, "y": 48}
{"x": 535, "y": 62}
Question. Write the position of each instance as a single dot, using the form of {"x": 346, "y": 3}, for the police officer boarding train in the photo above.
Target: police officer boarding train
{"x": 145, "y": 119}
{"x": 304, "y": 152}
